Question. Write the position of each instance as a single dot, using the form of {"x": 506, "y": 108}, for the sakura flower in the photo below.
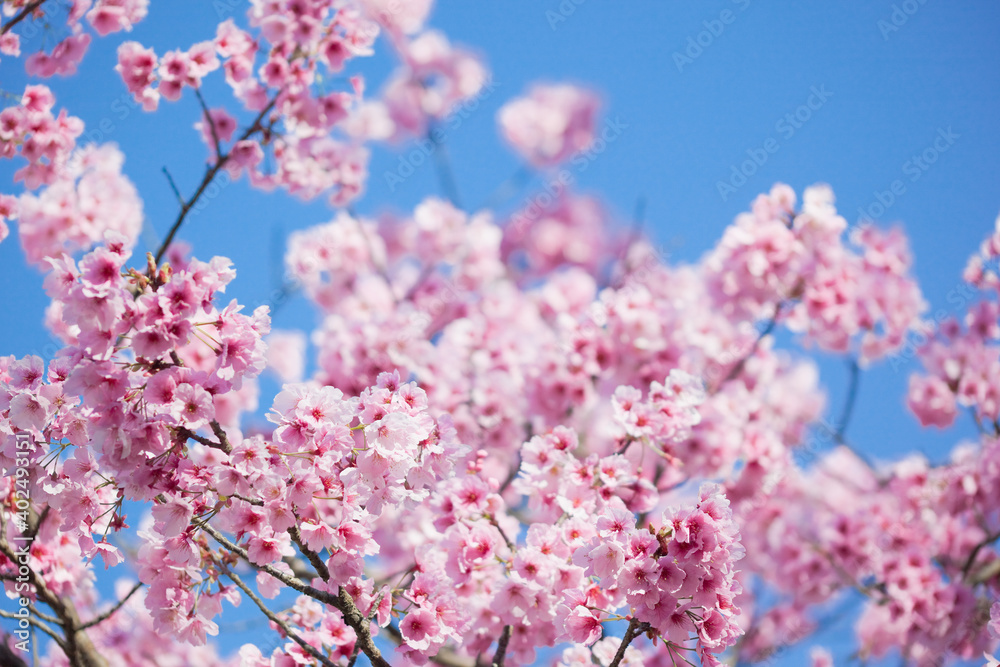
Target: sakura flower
{"x": 419, "y": 629}
{"x": 550, "y": 124}
{"x": 582, "y": 626}
{"x": 194, "y": 405}
{"x": 173, "y": 516}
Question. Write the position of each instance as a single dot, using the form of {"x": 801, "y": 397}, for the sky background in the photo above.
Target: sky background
{"x": 689, "y": 118}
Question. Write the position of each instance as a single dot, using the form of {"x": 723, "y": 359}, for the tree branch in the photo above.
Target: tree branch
{"x": 738, "y": 368}
{"x": 975, "y": 552}
{"x": 211, "y": 123}
{"x": 274, "y": 619}
{"x": 79, "y": 650}
{"x": 442, "y": 162}
{"x": 209, "y": 176}
{"x": 342, "y": 601}
{"x": 501, "y": 653}
{"x": 21, "y": 15}
{"x": 852, "y": 395}
{"x": 38, "y": 624}
{"x": 221, "y": 435}
{"x": 635, "y": 628}
{"x": 109, "y": 613}
{"x": 312, "y": 556}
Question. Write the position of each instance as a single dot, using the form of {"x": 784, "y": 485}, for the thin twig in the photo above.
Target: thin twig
{"x": 207, "y": 179}
{"x": 638, "y": 220}
{"x": 975, "y": 553}
{"x": 274, "y": 619}
{"x": 342, "y": 601}
{"x": 221, "y": 435}
{"x": 738, "y": 368}
{"x": 38, "y": 624}
{"x": 109, "y": 613}
{"x": 852, "y": 395}
{"x": 210, "y": 121}
{"x": 173, "y": 186}
{"x": 21, "y": 15}
{"x": 496, "y": 524}
{"x": 446, "y": 176}
{"x": 41, "y": 614}
{"x": 189, "y": 434}
{"x": 512, "y": 475}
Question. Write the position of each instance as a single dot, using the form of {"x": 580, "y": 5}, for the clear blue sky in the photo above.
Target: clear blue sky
{"x": 892, "y": 86}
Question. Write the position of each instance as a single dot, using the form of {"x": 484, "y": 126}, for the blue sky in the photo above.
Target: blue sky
{"x": 698, "y": 88}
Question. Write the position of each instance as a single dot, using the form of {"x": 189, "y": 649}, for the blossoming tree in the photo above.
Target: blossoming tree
{"x": 521, "y": 433}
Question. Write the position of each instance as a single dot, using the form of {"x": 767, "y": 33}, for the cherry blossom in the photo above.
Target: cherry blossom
{"x": 512, "y": 436}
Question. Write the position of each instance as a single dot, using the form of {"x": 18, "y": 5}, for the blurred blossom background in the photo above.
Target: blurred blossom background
{"x": 700, "y": 107}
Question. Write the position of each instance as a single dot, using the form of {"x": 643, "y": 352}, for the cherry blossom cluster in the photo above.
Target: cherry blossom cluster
{"x": 961, "y": 357}
{"x": 503, "y": 448}
{"x": 104, "y": 16}
{"x": 31, "y": 131}
{"x": 778, "y": 261}
{"x": 679, "y": 578}
{"x": 551, "y": 124}
{"x": 85, "y": 194}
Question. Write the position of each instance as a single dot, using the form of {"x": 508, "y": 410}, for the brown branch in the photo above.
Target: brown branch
{"x": 41, "y": 614}
{"x": 33, "y": 530}
{"x": 21, "y": 15}
{"x": 342, "y": 602}
{"x": 492, "y": 519}
{"x": 987, "y": 573}
{"x": 311, "y": 555}
{"x": 221, "y": 435}
{"x": 501, "y": 653}
{"x": 109, "y": 613}
{"x": 189, "y": 434}
{"x": 975, "y": 553}
{"x": 209, "y": 177}
{"x": 274, "y": 619}
{"x": 38, "y": 624}
{"x": 79, "y": 650}
{"x": 222, "y": 444}
{"x": 635, "y": 628}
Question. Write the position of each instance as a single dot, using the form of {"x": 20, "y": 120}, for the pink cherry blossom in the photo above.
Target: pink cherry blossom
{"x": 551, "y": 124}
